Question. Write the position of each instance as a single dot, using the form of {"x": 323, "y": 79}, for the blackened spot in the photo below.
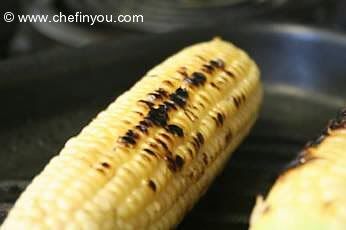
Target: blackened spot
{"x": 220, "y": 118}
{"x": 127, "y": 140}
{"x": 208, "y": 68}
{"x": 170, "y": 105}
{"x": 153, "y": 145}
{"x": 179, "y": 97}
{"x": 200, "y": 138}
{"x": 339, "y": 122}
{"x": 182, "y": 71}
{"x": 140, "y": 113}
{"x": 179, "y": 162}
{"x": 165, "y": 136}
{"x": 236, "y": 102}
{"x": 230, "y": 74}
{"x": 218, "y": 63}
{"x": 205, "y": 158}
{"x": 196, "y": 79}
{"x": 168, "y": 83}
{"x": 319, "y": 139}
{"x": 170, "y": 163}
{"x": 190, "y": 152}
{"x": 159, "y": 94}
{"x": 148, "y": 103}
{"x": 158, "y": 116}
{"x": 201, "y": 104}
{"x": 150, "y": 152}
{"x": 176, "y": 130}
{"x": 215, "y": 86}
{"x": 152, "y": 185}
{"x": 106, "y": 165}
{"x": 162, "y": 143}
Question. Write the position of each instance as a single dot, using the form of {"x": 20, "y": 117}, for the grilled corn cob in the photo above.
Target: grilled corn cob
{"x": 144, "y": 161}
{"x": 311, "y": 193}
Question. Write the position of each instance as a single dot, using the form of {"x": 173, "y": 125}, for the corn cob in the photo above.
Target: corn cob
{"x": 311, "y": 193}
{"x": 144, "y": 161}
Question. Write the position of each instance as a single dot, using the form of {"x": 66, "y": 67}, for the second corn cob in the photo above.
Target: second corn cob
{"x": 145, "y": 160}
{"x": 311, "y": 194}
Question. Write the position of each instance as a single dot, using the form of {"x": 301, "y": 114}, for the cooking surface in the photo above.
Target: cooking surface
{"x": 304, "y": 75}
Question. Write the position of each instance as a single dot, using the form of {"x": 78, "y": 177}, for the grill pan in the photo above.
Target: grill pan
{"x": 49, "y": 97}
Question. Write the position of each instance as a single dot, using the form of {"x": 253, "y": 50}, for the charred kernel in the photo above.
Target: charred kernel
{"x": 165, "y": 136}
{"x": 179, "y": 162}
{"x": 183, "y": 71}
{"x": 159, "y": 94}
{"x": 176, "y": 130}
{"x": 214, "y": 86}
{"x": 167, "y": 82}
{"x": 179, "y": 97}
{"x": 106, "y": 165}
{"x": 196, "y": 78}
{"x": 236, "y": 102}
{"x": 152, "y": 185}
{"x": 162, "y": 143}
{"x": 205, "y": 158}
{"x": 230, "y": 74}
{"x": 207, "y": 68}
{"x": 150, "y": 152}
{"x": 139, "y": 113}
{"x": 127, "y": 140}
{"x": 148, "y": 103}
{"x": 158, "y": 116}
{"x": 200, "y": 138}
{"x": 220, "y": 118}
{"x": 170, "y": 105}
{"x": 218, "y": 63}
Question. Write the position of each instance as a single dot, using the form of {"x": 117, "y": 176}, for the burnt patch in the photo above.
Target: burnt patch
{"x": 205, "y": 158}
{"x": 179, "y": 162}
{"x": 150, "y": 152}
{"x": 175, "y": 130}
{"x": 214, "y": 86}
{"x": 106, "y": 165}
{"x": 129, "y": 138}
{"x": 179, "y": 97}
{"x": 208, "y": 68}
{"x": 139, "y": 113}
{"x": 152, "y": 185}
{"x": 143, "y": 126}
{"x": 170, "y": 105}
{"x": 236, "y": 102}
{"x": 162, "y": 143}
{"x": 218, "y": 63}
{"x": 167, "y": 82}
{"x": 220, "y": 118}
{"x": 183, "y": 71}
{"x": 200, "y": 138}
{"x": 159, "y": 94}
{"x": 196, "y": 79}
{"x": 339, "y": 122}
{"x": 147, "y": 103}
{"x": 158, "y": 116}
{"x": 175, "y": 164}
{"x": 229, "y": 73}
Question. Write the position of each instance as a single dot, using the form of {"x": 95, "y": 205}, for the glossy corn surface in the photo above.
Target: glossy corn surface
{"x": 311, "y": 194}
{"x": 144, "y": 161}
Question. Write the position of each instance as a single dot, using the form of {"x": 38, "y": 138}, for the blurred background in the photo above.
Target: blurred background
{"x": 159, "y": 16}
